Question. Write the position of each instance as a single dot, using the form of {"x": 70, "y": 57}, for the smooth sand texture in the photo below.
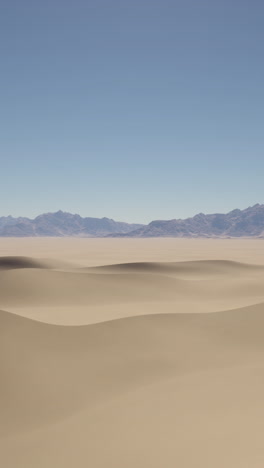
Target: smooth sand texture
{"x": 152, "y": 358}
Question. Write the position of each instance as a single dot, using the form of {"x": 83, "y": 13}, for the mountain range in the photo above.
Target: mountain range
{"x": 62, "y": 224}
{"x": 236, "y": 223}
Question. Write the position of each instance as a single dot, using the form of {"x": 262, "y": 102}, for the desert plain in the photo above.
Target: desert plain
{"x": 131, "y": 353}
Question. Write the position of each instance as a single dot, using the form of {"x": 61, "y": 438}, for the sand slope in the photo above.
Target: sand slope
{"x": 137, "y": 377}
{"x": 159, "y": 382}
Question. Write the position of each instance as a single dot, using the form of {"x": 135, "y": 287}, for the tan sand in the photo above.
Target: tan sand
{"x": 161, "y": 363}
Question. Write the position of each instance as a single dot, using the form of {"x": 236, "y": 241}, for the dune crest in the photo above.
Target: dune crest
{"x": 102, "y": 293}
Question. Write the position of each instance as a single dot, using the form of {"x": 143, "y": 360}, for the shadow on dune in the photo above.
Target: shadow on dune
{"x": 14, "y": 263}
{"x": 187, "y": 267}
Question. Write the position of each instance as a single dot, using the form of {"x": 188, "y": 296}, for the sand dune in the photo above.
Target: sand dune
{"x": 160, "y": 364}
{"x": 58, "y": 379}
{"x": 207, "y": 267}
{"x": 33, "y": 289}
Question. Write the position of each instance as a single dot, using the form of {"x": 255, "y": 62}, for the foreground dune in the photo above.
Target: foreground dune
{"x": 160, "y": 364}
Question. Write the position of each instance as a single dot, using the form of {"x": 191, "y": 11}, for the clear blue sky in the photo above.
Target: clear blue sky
{"x": 131, "y": 109}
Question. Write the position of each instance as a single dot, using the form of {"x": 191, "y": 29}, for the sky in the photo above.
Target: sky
{"x": 134, "y": 110}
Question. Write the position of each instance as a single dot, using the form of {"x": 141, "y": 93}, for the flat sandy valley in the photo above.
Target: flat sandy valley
{"x": 131, "y": 353}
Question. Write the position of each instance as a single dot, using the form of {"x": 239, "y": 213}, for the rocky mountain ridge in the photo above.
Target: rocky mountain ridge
{"x": 236, "y": 223}
{"x": 61, "y": 224}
